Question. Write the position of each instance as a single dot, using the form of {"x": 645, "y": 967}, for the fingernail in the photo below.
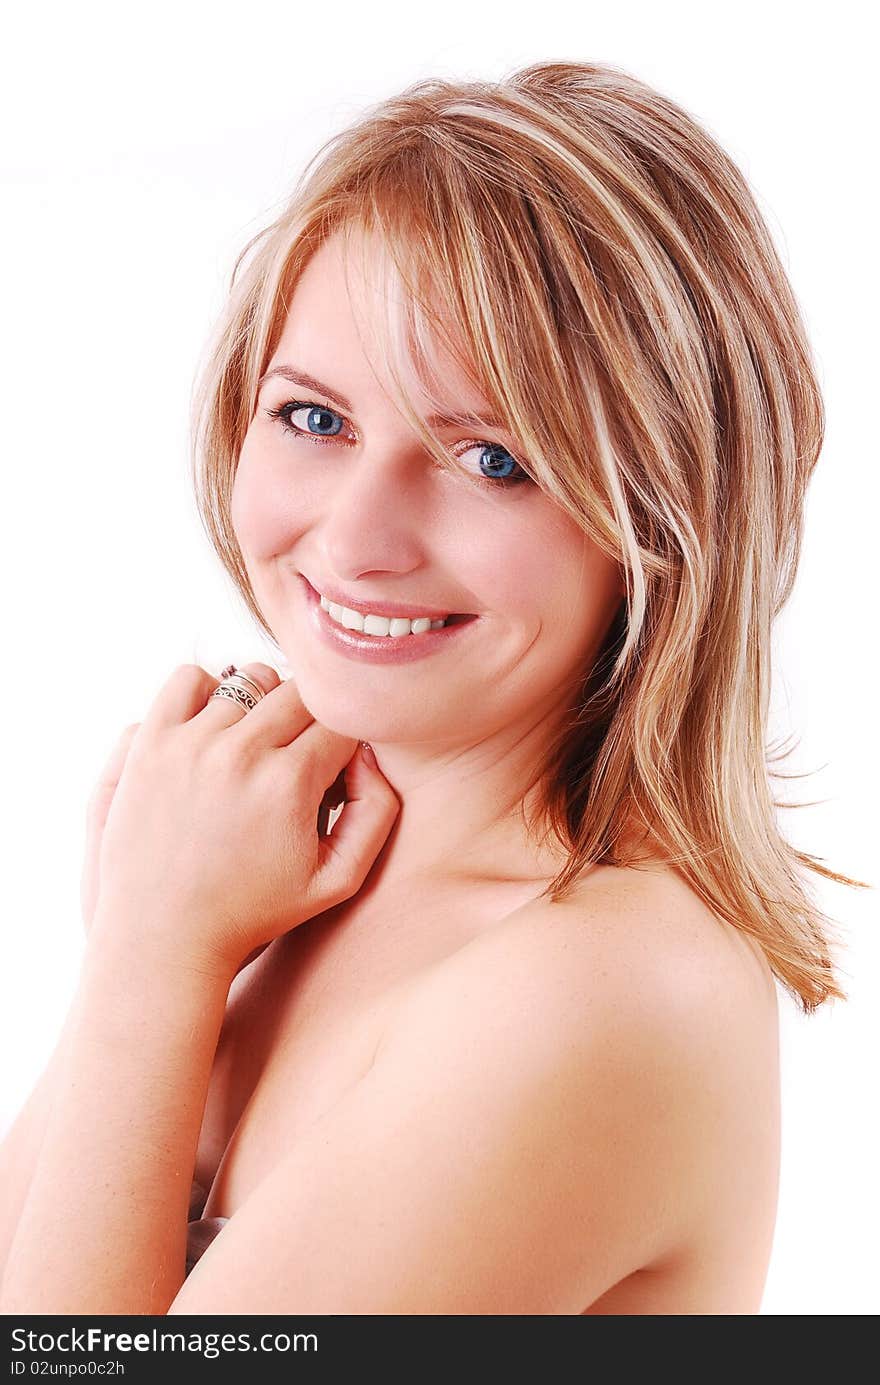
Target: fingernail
{"x": 368, "y": 754}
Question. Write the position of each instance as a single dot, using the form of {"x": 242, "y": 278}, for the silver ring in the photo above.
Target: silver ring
{"x": 237, "y": 687}
{"x": 260, "y": 692}
{"x": 230, "y": 669}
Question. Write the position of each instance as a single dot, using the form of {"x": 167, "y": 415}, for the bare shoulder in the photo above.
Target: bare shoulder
{"x": 568, "y": 1108}
{"x": 634, "y": 944}
{"x": 636, "y": 957}
{"x": 657, "y": 1022}
{"x": 634, "y": 1033}
{"x": 650, "y": 926}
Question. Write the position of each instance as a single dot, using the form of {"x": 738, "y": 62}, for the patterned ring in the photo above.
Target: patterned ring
{"x": 237, "y": 691}
{"x": 243, "y": 678}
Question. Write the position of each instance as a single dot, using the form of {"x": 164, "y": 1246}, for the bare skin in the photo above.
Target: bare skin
{"x": 305, "y": 1021}
{"x": 335, "y": 1029}
{"x": 442, "y": 1094}
{"x": 458, "y": 734}
{"x": 365, "y": 513}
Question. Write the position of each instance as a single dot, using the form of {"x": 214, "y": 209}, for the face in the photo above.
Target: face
{"x": 335, "y": 494}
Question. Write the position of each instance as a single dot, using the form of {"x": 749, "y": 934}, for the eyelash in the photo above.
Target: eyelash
{"x": 283, "y": 412}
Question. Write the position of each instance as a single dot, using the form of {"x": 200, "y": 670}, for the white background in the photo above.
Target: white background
{"x": 140, "y": 150}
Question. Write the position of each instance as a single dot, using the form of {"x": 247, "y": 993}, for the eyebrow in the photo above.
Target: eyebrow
{"x": 308, "y": 382}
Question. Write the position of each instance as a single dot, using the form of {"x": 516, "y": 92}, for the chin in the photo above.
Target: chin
{"x": 349, "y": 709}
{"x": 334, "y": 710}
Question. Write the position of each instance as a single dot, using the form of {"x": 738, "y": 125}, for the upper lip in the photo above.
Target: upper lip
{"x": 380, "y": 606}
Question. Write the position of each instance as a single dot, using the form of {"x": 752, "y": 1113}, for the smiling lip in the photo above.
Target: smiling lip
{"x": 380, "y": 649}
{"x": 379, "y": 607}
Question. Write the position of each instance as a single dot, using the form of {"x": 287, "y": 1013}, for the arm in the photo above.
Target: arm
{"x": 23, "y": 1140}
{"x": 531, "y": 1132}
{"x": 203, "y": 790}
{"x": 19, "y": 1150}
{"x": 103, "y": 1227}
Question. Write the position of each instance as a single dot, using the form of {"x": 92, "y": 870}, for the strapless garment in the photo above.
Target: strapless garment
{"x": 200, "y": 1230}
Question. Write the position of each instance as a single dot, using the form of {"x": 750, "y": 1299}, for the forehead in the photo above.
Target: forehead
{"x": 348, "y": 309}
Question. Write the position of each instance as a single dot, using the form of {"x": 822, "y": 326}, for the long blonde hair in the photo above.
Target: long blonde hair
{"x": 618, "y": 299}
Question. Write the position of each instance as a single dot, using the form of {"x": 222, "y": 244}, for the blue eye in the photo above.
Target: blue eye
{"x": 326, "y": 422}
{"x": 500, "y": 467}
{"x": 502, "y": 470}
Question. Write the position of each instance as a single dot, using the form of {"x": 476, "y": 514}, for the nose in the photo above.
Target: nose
{"x": 376, "y": 517}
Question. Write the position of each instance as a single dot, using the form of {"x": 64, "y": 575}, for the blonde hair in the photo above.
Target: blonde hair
{"x": 618, "y": 299}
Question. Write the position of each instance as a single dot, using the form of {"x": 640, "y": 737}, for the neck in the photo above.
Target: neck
{"x": 462, "y": 814}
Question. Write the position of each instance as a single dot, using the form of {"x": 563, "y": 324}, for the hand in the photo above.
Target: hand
{"x": 96, "y": 815}
{"x": 203, "y": 829}
{"x": 99, "y": 806}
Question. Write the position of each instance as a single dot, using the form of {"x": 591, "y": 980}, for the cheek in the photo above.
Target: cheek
{"x": 509, "y": 559}
{"x": 260, "y": 516}
{"x": 566, "y": 582}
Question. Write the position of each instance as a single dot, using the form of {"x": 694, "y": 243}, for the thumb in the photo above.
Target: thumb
{"x": 371, "y": 807}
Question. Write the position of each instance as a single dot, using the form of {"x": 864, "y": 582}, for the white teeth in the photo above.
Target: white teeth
{"x": 395, "y": 626}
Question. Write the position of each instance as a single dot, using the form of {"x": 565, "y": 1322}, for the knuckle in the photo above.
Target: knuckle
{"x": 186, "y": 676}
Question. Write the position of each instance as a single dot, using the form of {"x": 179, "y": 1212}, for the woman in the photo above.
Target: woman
{"x": 504, "y": 438}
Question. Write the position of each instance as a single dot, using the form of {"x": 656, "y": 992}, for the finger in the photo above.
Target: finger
{"x": 330, "y": 802}
{"x": 280, "y": 718}
{"x": 96, "y": 816}
{"x": 357, "y": 838}
{"x": 323, "y": 820}
{"x": 232, "y": 708}
{"x": 105, "y": 785}
{"x": 335, "y": 794}
{"x": 182, "y": 695}
{"x": 321, "y": 758}
{"x": 185, "y": 694}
